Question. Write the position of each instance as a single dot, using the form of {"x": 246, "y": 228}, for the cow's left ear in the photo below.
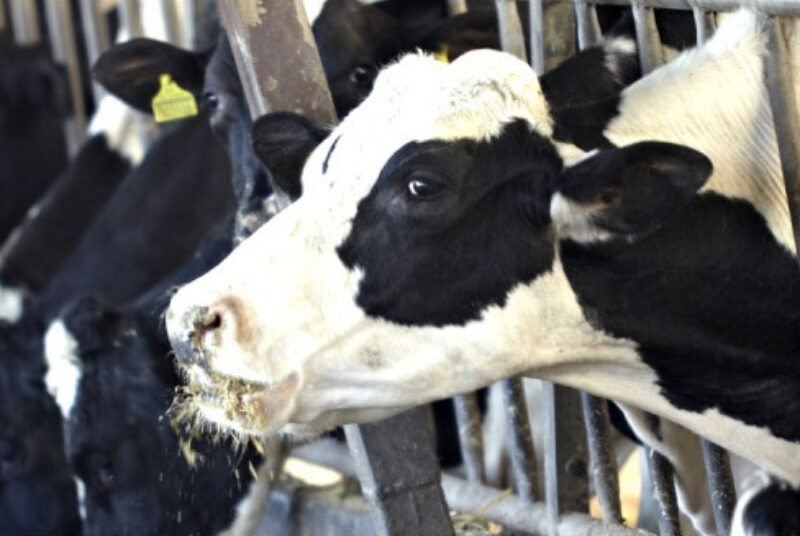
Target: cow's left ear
{"x": 283, "y": 141}
{"x": 132, "y": 70}
{"x": 627, "y": 190}
{"x": 457, "y": 34}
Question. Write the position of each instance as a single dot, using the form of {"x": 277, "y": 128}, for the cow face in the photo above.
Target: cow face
{"x": 425, "y": 238}
{"x": 34, "y": 477}
{"x": 138, "y": 474}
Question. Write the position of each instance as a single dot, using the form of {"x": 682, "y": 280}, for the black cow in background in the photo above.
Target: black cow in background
{"x": 34, "y": 101}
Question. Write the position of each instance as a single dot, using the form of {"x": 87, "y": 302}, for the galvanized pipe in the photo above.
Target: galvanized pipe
{"x": 588, "y": 25}
{"x": 96, "y": 37}
{"x": 720, "y": 485}
{"x": 662, "y": 477}
{"x": 601, "y": 457}
{"x": 521, "y": 449}
{"x": 25, "y": 22}
{"x": 512, "y": 39}
{"x": 468, "y": 419}
{"x": 646, "y": 37}
{"x": 703, "y": 25}
{"x": 169, "y": 14}
{"x": 130, "y": 18}
{"x": 787, "y": 121}
{"x": 65, "y": 50}
{"x": 536, "y": 18}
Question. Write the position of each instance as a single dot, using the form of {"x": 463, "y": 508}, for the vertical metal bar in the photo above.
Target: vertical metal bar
{"x": 720, "y": 485}
{"x": 457, "y": 6}
{"x": 65, "y": 50}
{"x": 512, "y": 39}
{"x": 703, "y": 24}
{"x": 601, "y": 456}
{"x": 522, "y": 451}
{"x": 588, "y": 25}
{"x": 662, "y": 478}
{"x": 559, "y": 33}
{"x": 468, "y": 419}
{"x": 566, "y": 478}
{"x": 785, "y": 116}
{"x": 25, "y": 22}
{"x": 647, "y": 37}
{"x": 172, "y": 26}
{"x": 536, "y": 19}
{"x": 399, "y": 474}
{"x": 95, "y": 35}
{"x": 130, "y": 17}
{"x": 3, "y": 23}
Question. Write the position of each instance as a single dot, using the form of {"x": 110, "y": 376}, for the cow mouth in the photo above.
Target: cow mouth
{"x": 227, "y": 405}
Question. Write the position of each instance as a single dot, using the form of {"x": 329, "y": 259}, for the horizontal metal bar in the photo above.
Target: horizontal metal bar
{"x": 516, "y": 515}
{"x": 786, "y": 8}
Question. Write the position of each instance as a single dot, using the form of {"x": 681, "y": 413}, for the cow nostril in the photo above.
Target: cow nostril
{"x": 212, "y": 321}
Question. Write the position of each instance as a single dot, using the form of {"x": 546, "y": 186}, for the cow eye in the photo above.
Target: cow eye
{"x": 423, "y": 188}
{"x": 362, "y": 75}
{"x": 211, "y": 100}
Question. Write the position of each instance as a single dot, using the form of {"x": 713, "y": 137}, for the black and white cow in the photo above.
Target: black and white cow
{"x": 34, "y": 100}
{"x": 138, "y": 472}
{"x": 449, "y": 235}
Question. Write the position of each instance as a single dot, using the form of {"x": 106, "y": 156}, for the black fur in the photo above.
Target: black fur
{"x": 453, "y": 255}
{"x": 714, "y": 304}
{"x": 774, "y": 511}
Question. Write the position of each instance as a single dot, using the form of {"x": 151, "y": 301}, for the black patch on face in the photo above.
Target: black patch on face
{"x": 444, "y": 258}
{"x": 774, "y": 511}
{"x": 714, "y": 303}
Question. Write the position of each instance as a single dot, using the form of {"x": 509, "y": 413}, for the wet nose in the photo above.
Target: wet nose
{"x": 190, "y": 338}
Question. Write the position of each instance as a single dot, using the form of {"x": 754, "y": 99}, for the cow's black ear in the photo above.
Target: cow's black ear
{"x": 627, "y": 190}
{"x": 283, "y": 141}
{"x": 131, "y": 70}
{"x": 457, "y": 34}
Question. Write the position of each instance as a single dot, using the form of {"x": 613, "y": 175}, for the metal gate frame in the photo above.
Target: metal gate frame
{"x": 395, "y": 460}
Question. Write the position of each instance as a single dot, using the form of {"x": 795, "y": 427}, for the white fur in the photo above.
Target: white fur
{"x": 292, "y": 301}
{"x": 614, "y": 48}
{"x": 575, "y": 221}
{"x": 125, "y": 129}
{"x": 80, "y": 489}
{"x": 12, "y": 301}
{"x": 64, "y": 369}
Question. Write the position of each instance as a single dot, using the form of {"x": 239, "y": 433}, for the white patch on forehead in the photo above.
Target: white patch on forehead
{"x": 614, "y": 48}
{"x": 64, "y": 369}
{"x": 11, "y": 303}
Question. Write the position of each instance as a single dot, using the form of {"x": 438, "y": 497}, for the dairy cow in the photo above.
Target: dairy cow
{"x": 450, "y": 234}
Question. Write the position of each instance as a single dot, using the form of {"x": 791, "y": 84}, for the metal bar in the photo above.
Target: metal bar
{"x": 784, "y": 8}
{"x": 646, "y": 37}
{"x": 559, "y": 33}
{"x": 536, "y": 18}
{"x": 130, "y": 17}
{"x": 169, "y": 14}
{"x": 25, "y": 22}
{"x": 720, "y": 485}
{"x": 588, "y": 25}
{"x": 96, "y": 36}
{"x": 787, "y": 121}
{"x": 456, "y": 7}
{"x": 703, "y": 25}
{"x": 521, "y": 448}
{"x": 65, "y": 50}
{"x": 517, "y": 516}
{"x": 566, "y": 477}
{"x": 3, "y": 23}
{"x": 512, "y": 39}
{"x": 399, "y": 474}
{"x": 470, "y": 439}
{"x": 662, "y": 478}
{"x": 601, "y": 455}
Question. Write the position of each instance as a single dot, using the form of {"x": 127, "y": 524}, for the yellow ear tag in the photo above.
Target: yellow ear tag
{"x": 441, "y": 54}
{"x": 172, "y": 101}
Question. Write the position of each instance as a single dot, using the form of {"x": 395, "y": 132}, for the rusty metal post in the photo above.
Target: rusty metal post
{"x": 785, "y": 116}
{"x": 65, "y": 50}
{"x": 25, "y": 22}
{"x": 512, "y": 39}
{"x": 468, "y": 419}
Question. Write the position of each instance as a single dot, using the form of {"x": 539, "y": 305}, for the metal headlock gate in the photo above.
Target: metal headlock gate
{"x": 394, "y": 459}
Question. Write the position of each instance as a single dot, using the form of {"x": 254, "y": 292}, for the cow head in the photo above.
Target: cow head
{"x": 137, "y": 473}
{"x": 422, "y": 258}
{"x": 34, "y": 476}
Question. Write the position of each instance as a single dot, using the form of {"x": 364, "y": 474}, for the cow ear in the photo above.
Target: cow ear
{"x": 131, "y": 70}
{"x": 457, "y": 34}
{"x": 627, "y": 190}
{"x": 283, "y": 141}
